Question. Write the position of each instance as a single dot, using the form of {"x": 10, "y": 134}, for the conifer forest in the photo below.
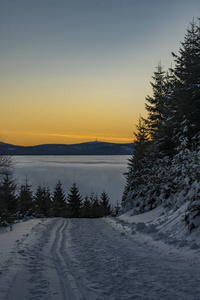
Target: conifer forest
{"x": 23, "y": 203}
{"x": 165, "y": 166}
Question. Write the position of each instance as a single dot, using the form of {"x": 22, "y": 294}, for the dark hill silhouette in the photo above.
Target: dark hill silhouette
{"x": 89, "y": 148}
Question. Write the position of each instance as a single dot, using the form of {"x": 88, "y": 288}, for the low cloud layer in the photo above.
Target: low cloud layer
{"x": 91, "y": 174}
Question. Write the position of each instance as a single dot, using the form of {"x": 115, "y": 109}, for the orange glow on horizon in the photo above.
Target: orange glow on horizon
{"x": 33, "y": 139}
{"x": 41, "y": 121}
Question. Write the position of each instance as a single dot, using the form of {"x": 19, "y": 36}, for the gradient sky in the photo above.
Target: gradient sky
{"x": 79, "y": 70}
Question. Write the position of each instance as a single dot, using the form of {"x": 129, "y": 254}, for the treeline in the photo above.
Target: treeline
{"x": 165, "y": 166}
{"x": 24, "y": 203}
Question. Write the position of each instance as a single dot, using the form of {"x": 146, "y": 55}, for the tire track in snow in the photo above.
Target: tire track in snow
{"x": 70, "y": 280}
{"x": 77, "y": 259}
{"x": 44, "y": 268}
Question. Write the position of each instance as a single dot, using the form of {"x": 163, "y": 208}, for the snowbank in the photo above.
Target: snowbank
{"x": 160, "y": 224}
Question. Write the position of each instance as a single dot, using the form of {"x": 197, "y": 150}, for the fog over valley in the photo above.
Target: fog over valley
{"x": 92, "y": 174}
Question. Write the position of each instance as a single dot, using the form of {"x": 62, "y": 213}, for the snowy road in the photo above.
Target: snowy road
{"x": 93, "y": 259}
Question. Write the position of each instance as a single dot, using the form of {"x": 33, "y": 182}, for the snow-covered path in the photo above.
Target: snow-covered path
{"x": 93, "y": 259}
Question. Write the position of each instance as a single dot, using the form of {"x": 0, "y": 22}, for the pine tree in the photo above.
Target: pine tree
{"x": 59, "y": 206}
{"x": 138, "y": 169}
{"x": 25, "y": 200}
{"x": 116, "y": 210}
{"x": 95, "y": 206}
{"x": 187, "y": 80}
{"x": 105, "y": 206}
{"x": 48, "y": 203}
{"x": 149, "y": 164}
{"x": 86, "y": 208}
{"x": 42, "y": 201}
{"x": 74, "y": 202}
{"x": 8, "y": 200}
{"x": 38, "y": 199}
{"x": 156, "y": 104}
{"x": 161, "y": 107}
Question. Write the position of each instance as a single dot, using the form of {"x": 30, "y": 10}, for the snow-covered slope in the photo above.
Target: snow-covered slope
{"x": 149, "y": 256}
{"x": 167, "y": 226}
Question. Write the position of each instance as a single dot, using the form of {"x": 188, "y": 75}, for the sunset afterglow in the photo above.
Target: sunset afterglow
{"x": 78, "y": 71}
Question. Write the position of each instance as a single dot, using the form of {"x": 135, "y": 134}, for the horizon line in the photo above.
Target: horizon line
{"x": 96, "y": 141}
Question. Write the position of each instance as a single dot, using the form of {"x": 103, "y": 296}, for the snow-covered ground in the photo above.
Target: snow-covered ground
{"x": 149, "y": 256}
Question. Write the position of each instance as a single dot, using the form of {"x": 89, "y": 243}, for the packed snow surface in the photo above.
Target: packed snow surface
{"x": 149, "y": 256}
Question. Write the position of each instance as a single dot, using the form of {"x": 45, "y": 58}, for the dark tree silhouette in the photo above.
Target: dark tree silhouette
{"x": 105, "y": 206}
{"x": 74, "y": 202}
{"x": 59, "y": 206}
{"x": 8, "y": 199}
{"x": 42, "y": 202}
{"x": 25, "y": 200}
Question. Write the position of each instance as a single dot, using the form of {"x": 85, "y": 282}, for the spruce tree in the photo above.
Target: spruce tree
{"x": 48, "y": 203}
{"x": 74, "y": 202}
{"x": 86, "y": 208}
{"x": 95, "y": 206}
{"x": 187, "y": 80}
{"x": 105, "y": 206}
{"x": 116, "y": 210}
{"x": 138, "y": 169}
{"x": 25, "y": 200}
{"x": 156, "y": 104}
{"x": 161, "y": 107}
{"x": 59, "y": 206}
{"x": 42, "y": 201}
{"x": 38, "y": 199}
{"x": 8, "y": 199}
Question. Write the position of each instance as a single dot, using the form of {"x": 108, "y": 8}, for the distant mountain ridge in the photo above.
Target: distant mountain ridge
{"x": 88, "y": 148}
